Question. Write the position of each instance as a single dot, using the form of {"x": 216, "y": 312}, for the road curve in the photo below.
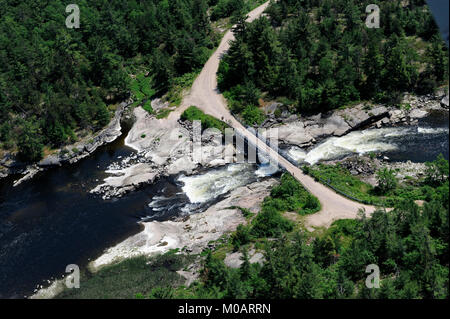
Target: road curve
{"x": 205, "y": 95}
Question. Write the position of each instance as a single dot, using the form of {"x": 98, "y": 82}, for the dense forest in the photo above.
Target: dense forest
{"x": 319, "y": 55}
{"x": 58, "y": 83}
{"x": 409, "y": 244}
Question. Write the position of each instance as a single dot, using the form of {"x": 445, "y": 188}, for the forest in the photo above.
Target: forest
{"x": 409, "y": 244}
{"x": 316, "y": 56}
{"x": 59, "y": 84}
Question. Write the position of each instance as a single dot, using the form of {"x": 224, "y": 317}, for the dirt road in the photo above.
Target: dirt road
{"x": 205, "y": 95}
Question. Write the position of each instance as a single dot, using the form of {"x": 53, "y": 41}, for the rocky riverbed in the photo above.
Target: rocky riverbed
{"x": 163, "y": 148}
{"x": 365, "y": 168}
{"x": 160, "y": 143}
{"x": 192, "y": 233}
{"x": 307, "y": 131}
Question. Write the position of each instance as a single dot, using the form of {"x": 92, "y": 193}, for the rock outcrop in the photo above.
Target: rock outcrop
{"x": 69, "y": 154}
{"x": 306, "y": 131}
{"x": 163, "y": 148}
{"x": 194, "y": 233}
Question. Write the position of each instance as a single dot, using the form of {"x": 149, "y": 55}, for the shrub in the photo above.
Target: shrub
{"x": 270, "y": 223}
{"x": 241, "y": 237}
{"x": 386, "y": 180}
{"x": 253, "y": 115}
{"x": 195, "y": 114}
{"x": 290, "y": 195}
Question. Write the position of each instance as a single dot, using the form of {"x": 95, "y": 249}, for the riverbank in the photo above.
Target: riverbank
{"x": 164, "y": 147}
{"x": 68, "y": 154}
{"x": 189, "y": 234}
{"x": 305, "y": 132}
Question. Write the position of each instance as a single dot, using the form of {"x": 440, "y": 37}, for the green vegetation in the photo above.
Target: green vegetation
{"x": 122, "y": 280}
{"x": 437, "y": 171}
{"x": 386, "y": 180}
{"x": 389, "y": 191}
{"x": 60, "y": 81}
{"x": 320, "y": 56}
{"x": 162, "y": 114}
{"x": 289, "y": 196}
{"x": 148, "y": 107}
{"x": 232, "y": 8}
{"x": 179, "y": 84}
{"x": 29, "y": 142}
{"x": 193, "y": 113}
{"x": 141, "y": 89}
{"x": 253, "y": 115}
{"x": 408, "y": 243}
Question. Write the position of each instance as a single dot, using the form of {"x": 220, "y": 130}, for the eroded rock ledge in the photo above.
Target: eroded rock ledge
{"x": 164, "y": 148}
{"x": 194, "y": 233}
{"x": 69, "y": 154}
{"x": 307, "y": 131}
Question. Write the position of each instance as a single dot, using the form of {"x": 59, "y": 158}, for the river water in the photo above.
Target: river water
{"x": 420, "y": 143}
{"x": 53, "y": 221}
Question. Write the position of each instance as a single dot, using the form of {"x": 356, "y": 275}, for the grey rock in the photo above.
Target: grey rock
{"x": 417, "y": 113}
{"x": 51, "y": 160}
{"x": 444, "y": 102}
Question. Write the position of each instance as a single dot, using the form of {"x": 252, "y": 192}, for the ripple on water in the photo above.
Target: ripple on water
{"x": 205, "y": 187}
{"x": 395, "y": 141}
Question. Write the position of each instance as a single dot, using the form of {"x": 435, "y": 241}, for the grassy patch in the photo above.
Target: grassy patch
{"x": 129, "y": 277}
{"x": 343, "y": 182}
{"x": 148, "y": 107}
{"x": 141, "y": 89}
{"x": 162, "y": 114}
{"x": 193, "y": 113}
{"x": 178, "y": 85}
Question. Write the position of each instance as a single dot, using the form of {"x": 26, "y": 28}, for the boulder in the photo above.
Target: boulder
{"x": 444, "y": 102}
{"x": 417, "y": 114}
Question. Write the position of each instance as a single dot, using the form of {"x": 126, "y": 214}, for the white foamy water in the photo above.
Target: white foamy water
{"x": 202, "y": 188}
{"x": 297, "y": 154}
{"x": 428, "y": 130}
{"x": 358, "y": 142}
{"x": 266, "y": 170}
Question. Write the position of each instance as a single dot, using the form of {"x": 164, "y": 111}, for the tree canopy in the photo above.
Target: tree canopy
{"x": 321, "y": 56}
{"x": 61, "y": 81}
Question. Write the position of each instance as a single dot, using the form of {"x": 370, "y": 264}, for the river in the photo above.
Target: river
{"x": 420, "y": 143}
{"x": 53, "y": 221}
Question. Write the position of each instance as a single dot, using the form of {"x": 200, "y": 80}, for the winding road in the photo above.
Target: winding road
{"x": 205, "y": 95}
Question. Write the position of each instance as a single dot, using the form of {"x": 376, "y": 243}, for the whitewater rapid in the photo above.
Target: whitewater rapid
{"x": 360, "y": 142}
{"x": 204, "y": 187}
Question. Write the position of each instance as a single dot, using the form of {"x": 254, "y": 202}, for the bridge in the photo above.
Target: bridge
{"x": 205, "y": 95}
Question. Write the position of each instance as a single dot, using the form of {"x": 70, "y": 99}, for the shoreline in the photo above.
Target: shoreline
{"x": 190, "y": 234}
{"x": 309, "y": 131}
{"x": 292, "y": 131}
{"x": 72, "y": 154}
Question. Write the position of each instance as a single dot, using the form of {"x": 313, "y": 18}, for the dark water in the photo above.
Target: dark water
{"x": 425, "y": 146}
{"x": 52, "y": 220}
